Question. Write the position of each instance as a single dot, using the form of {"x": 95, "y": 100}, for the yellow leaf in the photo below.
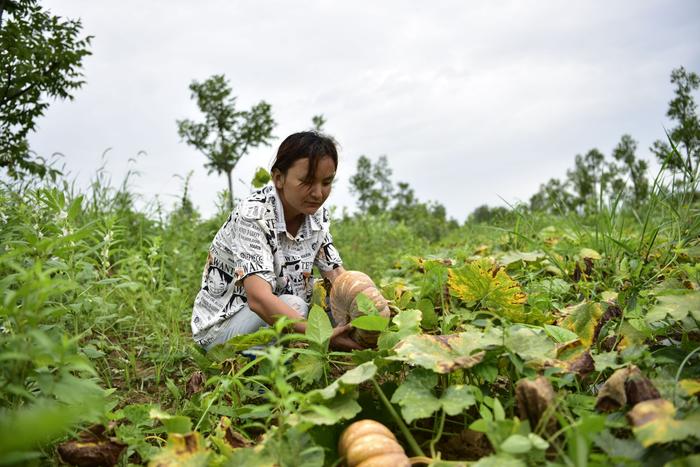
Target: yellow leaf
{"x": 582, "y": 319}
{"x": 488, "y": 288}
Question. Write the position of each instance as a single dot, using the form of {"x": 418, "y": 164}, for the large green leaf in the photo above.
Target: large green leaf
{"x": 417, "y": 400}
{"x": 319, "y": 328}
{"x": 441, "y": 354}
{"x": 353, "y": 377}
{"x": 676, "y": 306}
{"x": 582, "y": 319}
{"x": 531, "y": 344}
{"x": 341, "y": 407}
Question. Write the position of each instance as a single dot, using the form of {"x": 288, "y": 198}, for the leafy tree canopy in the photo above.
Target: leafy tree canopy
{"x": 226, "y": 134}
{"x": 41, "y": 56}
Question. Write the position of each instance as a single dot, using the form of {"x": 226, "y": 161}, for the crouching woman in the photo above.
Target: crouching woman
{"x": 260, "y": 261}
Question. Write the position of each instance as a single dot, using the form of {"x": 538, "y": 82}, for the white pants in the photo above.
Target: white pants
{"x": 246, "y": 321}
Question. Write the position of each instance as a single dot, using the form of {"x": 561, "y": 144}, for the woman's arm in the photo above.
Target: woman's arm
{"x": 267, "y": 305}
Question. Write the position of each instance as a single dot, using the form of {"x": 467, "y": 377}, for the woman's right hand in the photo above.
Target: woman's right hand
{"x": 340, "y": 340}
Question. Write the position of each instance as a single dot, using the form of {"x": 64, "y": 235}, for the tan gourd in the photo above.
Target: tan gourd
{"x": 367, "y": 443}
{"x": 344, "y": 292}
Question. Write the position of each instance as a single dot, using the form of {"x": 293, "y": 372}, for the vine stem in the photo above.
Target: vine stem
{"x": 438, "y": 435}
{"x": 680, "y": 369}
{"x": 402, "y": 426}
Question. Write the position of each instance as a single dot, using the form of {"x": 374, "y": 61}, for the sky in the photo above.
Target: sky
{"x": 473, "y": 103}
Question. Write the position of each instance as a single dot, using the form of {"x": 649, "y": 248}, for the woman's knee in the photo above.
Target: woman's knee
{"x": 297, "y": 303}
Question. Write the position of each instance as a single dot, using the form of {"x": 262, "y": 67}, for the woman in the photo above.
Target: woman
{"x": 260, "y": 262}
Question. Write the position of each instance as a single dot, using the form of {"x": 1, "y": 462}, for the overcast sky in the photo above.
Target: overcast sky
{"x": 472, "y": 102}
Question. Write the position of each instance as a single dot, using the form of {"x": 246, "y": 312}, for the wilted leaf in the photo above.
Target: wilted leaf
{"x": 533, "y": 397}
{"x": 441, "y": 354}
{"x": 676, "y": 306}
{"x": 195, "y": 384}
{"x": 589, "y": 253}
{"x": 583, "y": 319}
{"x": 479, "y": 284}
{"x": 625, "y": 386}
{"x": 182, "y": 450}
{"x": 654, "y": 422}
{"x": 690, "y": 386}
{"x": 104, "y": 452}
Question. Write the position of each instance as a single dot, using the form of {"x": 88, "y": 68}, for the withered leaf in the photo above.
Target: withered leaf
{"x": 533, "y": 397}
{"x": 89, "y": 454}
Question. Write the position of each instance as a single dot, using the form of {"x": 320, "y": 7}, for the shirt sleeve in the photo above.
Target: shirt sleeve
{"x": 328, "y": 257}
{"x": 249, "y": 244}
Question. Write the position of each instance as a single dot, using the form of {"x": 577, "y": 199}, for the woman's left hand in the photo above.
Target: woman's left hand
{"x": 340, "y": 340}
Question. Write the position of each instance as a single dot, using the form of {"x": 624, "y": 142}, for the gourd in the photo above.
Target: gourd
{"x": 346, "y": 287}
{"x": 367, "y": 443}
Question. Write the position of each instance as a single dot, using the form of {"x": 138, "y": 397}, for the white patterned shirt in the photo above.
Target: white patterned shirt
{"x": 254, "y": 240}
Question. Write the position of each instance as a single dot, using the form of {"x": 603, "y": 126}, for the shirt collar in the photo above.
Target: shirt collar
{"x": 311, "y": 222}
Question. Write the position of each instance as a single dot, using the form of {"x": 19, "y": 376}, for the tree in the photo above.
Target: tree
{"x": 40, "y": 59}
{"x": 372, "y": 185}
{"x": 553, "y": 197}
{"x": 587, "y": 178}
{"x": 226, "y": 134}
{"x": 630, "y": 168}
{"x": 686, "y": 134}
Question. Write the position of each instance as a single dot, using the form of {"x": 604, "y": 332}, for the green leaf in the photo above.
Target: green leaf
{"x": 341, "y": 407}
{"x": 173, "y": 423}
{"x": 676, "y": 306}
{"x": 538, "y": 442}
{"x": 500, "y": 460}
{"x": 261, "y": 178}
{"x": 415, "y": 395}
{"x": 416, "y": 398}
{"x": 429, "y": 317}
{"x": 457, "y": 398}
{"x": 365, "y": 305}
{"x": 516, "y": 444}
{"x": 530, "y": 344}
{"x": 606, "y": 360}
{"x": 560, "y": 335}
{"x": 353, "y": 377}
{"x": 319, "y": 328}
{"x": 370, "y": 323}
{"x": 308, "y": 368}
{"x": 582, "y": 319}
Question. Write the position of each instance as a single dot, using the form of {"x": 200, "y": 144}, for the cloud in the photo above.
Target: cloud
{"x": 468, "y": 101}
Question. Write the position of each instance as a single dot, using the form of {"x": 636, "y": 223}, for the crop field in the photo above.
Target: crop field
{"x": 541, "y": 339}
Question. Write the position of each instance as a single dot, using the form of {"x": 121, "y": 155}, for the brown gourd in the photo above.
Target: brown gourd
{"x": 343, "y": 301}
{"x": 367, "y": 443}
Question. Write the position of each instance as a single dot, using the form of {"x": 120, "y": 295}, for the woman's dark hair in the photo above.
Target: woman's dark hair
{"x": 305, "y": 144}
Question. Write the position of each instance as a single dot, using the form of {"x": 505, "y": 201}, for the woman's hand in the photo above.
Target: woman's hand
{"x": 340, "y": 340}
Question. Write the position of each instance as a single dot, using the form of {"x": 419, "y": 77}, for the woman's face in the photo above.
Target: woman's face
{"x": 299, "y": 198}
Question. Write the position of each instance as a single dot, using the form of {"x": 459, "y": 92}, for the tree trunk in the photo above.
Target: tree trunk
{"x": 230, "y": 191}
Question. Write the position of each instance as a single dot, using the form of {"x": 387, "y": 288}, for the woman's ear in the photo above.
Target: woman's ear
{"x": 278, "y": 178}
